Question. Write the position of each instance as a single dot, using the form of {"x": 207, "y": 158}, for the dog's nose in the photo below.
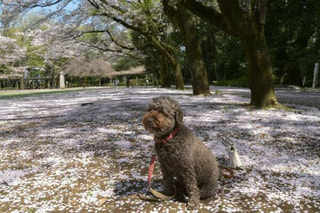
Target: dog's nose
{"x": 150, "y": 120}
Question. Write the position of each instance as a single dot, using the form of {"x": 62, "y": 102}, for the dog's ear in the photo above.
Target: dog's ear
{"x": 178, "y": 114}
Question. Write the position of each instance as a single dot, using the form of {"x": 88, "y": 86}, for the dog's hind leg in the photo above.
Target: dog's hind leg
{"x": 207, "y": 190}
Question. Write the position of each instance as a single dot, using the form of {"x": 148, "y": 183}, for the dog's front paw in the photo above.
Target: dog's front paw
{"x": 193, "y": 204}
{"x": 169, "y": 188}
{"x": 168, "y": 191}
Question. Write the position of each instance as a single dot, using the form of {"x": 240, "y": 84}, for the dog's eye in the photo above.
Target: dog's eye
{"x": 160, "y": 110}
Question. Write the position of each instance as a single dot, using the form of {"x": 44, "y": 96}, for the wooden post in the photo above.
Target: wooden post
{"x": 315, "y": 75}
{"x": 62, "y": 81}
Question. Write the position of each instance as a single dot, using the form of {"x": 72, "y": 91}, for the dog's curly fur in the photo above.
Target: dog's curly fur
{"x": 185, "y": 161}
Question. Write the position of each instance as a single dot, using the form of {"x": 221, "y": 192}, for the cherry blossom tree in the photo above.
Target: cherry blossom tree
{"x": 10, "y": 51}
{"x": 144, "y": 17}
{"x": 82, "y": 67}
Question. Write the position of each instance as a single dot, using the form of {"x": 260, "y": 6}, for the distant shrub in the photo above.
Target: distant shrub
{"x": 217, "y": 92}
{"x": 239, "y": 82}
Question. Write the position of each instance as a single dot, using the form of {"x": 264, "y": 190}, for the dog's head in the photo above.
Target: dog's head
{"x": 162, "y": 116}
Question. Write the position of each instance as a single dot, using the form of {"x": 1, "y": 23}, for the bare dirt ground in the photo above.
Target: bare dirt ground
{"x": 63, "y": 152}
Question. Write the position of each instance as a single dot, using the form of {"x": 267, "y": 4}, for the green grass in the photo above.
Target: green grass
{"x": 8, "y": 94}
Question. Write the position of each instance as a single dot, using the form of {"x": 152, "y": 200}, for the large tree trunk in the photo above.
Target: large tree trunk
{"x": 246, "y": 22}
{"x": 178, "y": 76}
{"x": 260, "y": 72}
{"x": 194, "y": 52}
{"x": 186, "y": 23}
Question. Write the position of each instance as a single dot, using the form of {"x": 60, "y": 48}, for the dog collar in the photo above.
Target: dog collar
{"x": 169, "y": 137}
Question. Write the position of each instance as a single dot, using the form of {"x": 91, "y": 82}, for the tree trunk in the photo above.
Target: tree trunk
{"x": 171, "y": 56}
{"x": 178, "y": 76}
{"x": 53, "y": 79}
{"x": 186, "y": 23}
{"x": 250, "y": 28}
{"x": 194, "y": 52}
{"x": 209, "y": 52}
{"x": 164, "y": 72}
{"x": 260, "y": 71}
{"x": 247, "y": 23}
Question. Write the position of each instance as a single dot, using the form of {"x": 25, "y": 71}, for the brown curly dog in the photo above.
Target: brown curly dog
{"x": 188, "y": 167}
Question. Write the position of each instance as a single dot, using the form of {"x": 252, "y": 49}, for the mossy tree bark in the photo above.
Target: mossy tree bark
{"x": 184, "y": 21}
{"x": 164, "y": 72}
{"x": 245, "y": 21}
{"x": 260, "y": 72}
{"x": 170, "y": 54}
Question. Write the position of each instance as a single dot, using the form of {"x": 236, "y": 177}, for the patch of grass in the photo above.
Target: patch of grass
{"x": 8, "y": 94}
{"x": 239, "y": 82}
{"x": 218, "y": 92}
{"x": 280, "y": 106}
{"x": 274, "y": 106}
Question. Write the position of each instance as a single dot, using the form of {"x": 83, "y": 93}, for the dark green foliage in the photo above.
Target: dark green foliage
{"x": 238, "y": 82}
{"x": 292, "y": 32}
{"x": 224, "y": 58}
{"x": 230, "y": 61}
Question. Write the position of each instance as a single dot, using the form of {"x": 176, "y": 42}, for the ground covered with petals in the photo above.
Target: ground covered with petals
{"x": 63, "y": 152}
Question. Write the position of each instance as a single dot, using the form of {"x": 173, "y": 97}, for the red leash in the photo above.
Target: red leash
{"x": 153, "y": 156}
{"x": 151, "y": 167}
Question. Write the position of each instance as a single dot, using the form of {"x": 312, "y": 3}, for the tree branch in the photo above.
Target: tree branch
{"x": 98, "y": 47}
{"x": 110, "y": 36}
{"x": 31, "y": 4}
{"x": 117, "y": 42}
{"x": 164, "y": 48}
{"x": 208, "y": 14}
